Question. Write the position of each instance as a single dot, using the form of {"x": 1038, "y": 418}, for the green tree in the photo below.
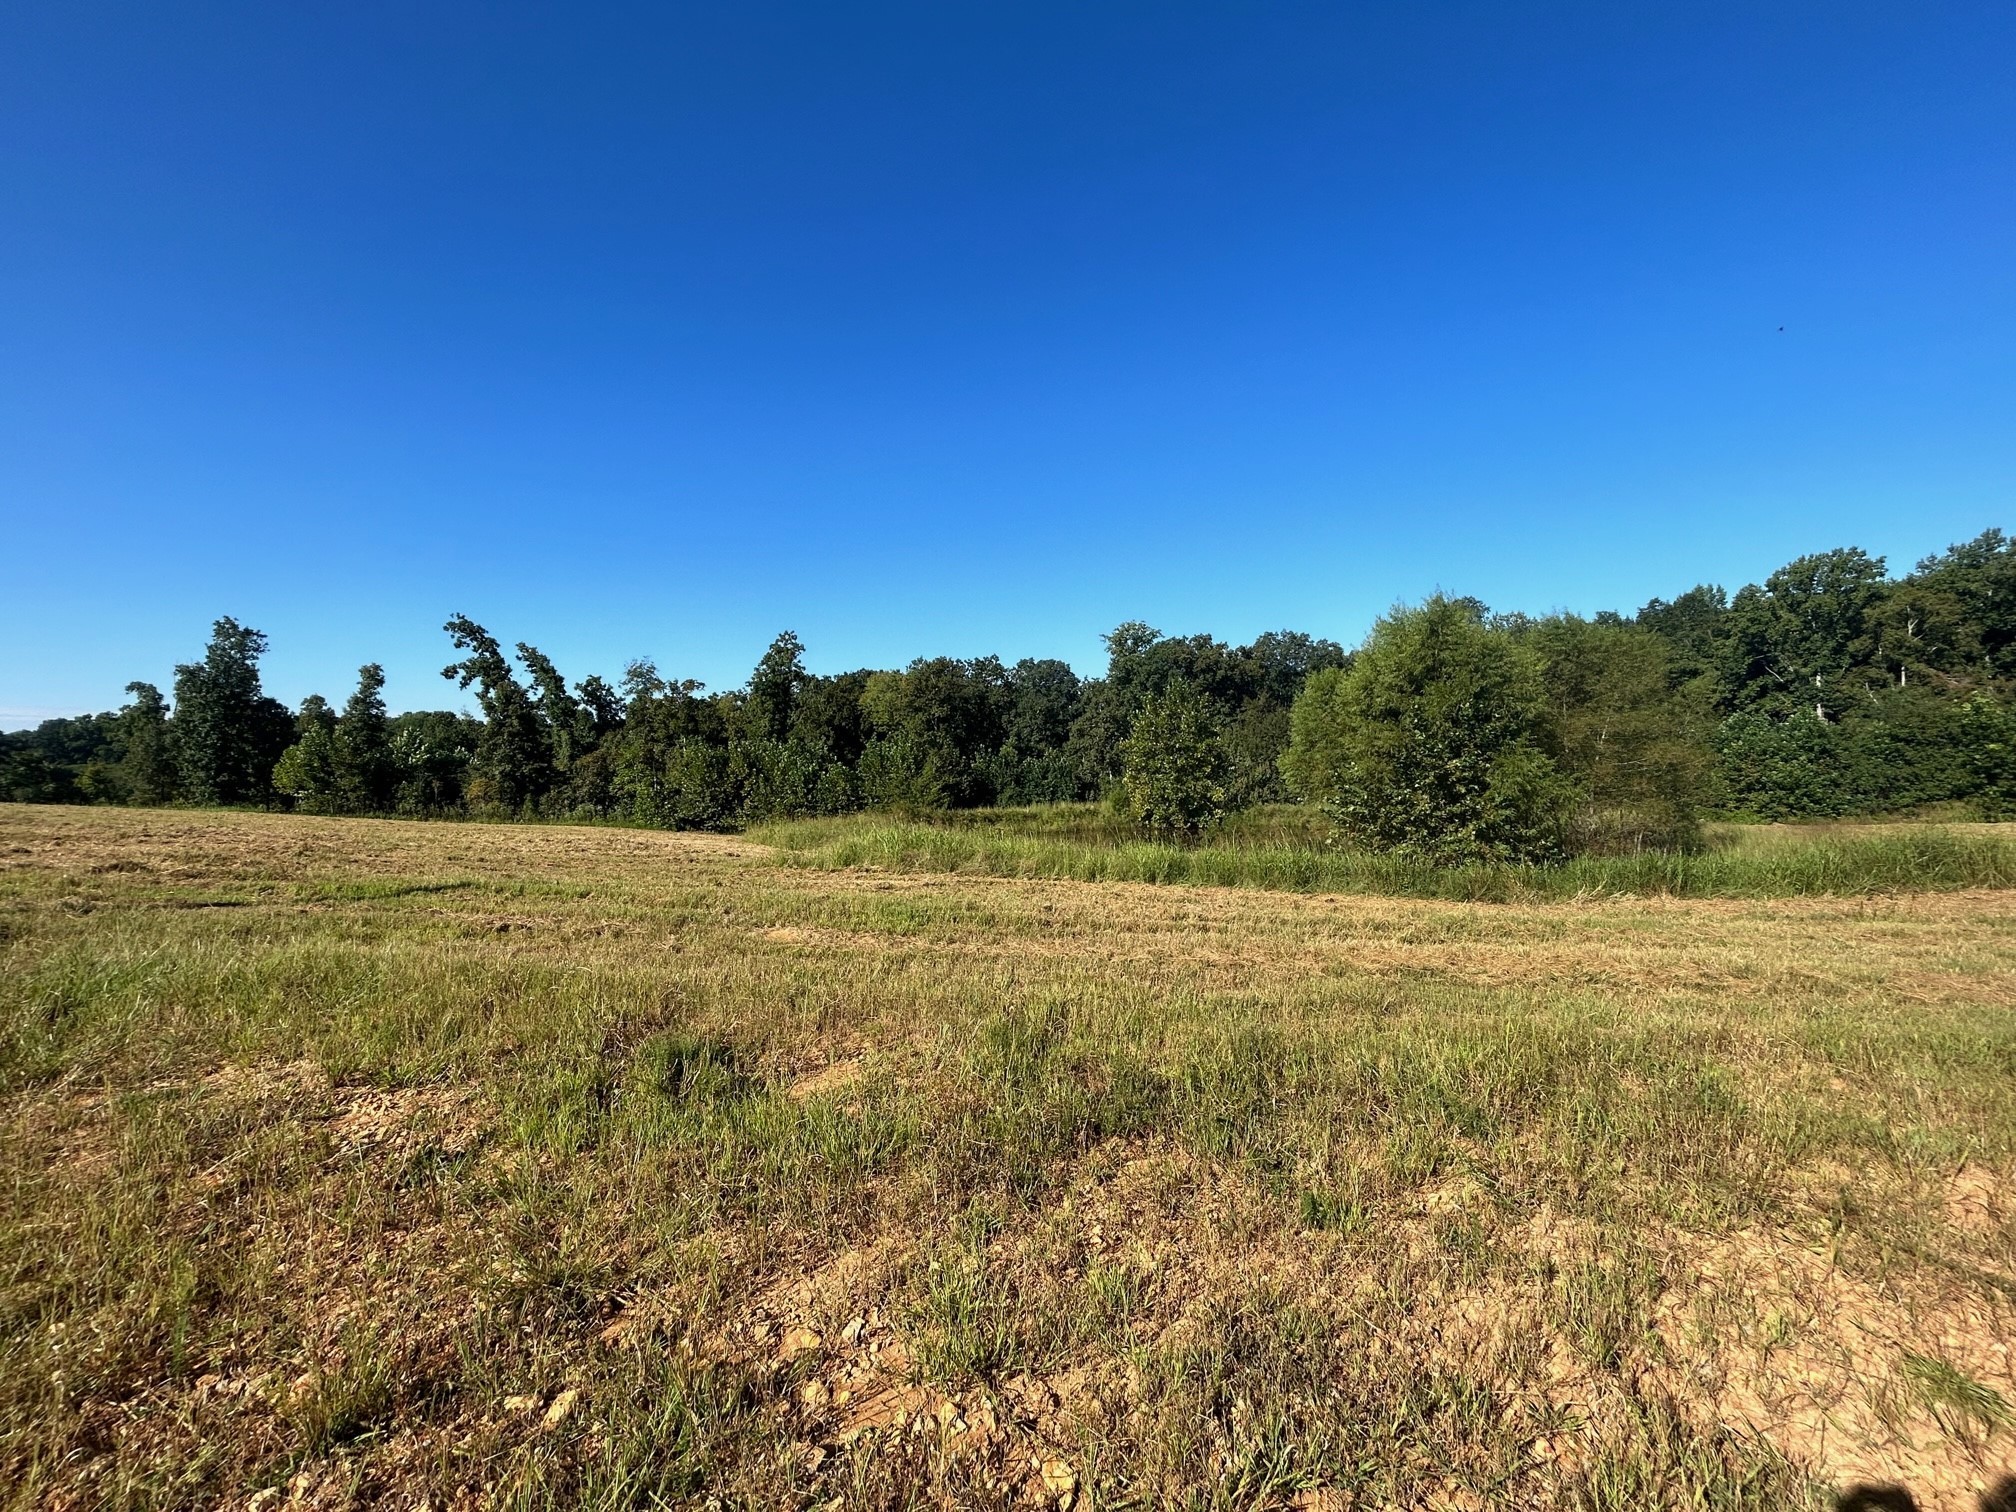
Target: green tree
{"x": 1249, "y": 690}
{"x": 147, "y": 764}
{"x": 670, "y": 762}
{"x": 1988, "y": 738}
{"x": 367, "y": 768}
{"x": 774, "y": 687}
{"x": 1695, "y": 628}
{"x": 1980, "y": 576}
{"x": 936, "y": 727}
{"x": 1795, "y": 767}
{"x": 1172, "y": 764}
{"x": 828, "y": 716}
{"x": 1041, "y": 699}
{"x": 567, "y": 726}
{"x": 601, "y": 712}
{"x": 1255, "y": 739}
{"x": 1430, "y": 743}
{"x": 1907, "y": 747}
{"x": 27, "y": 776}
{"x": 1282, "y": 661}
{"x": 432, "y": 750}
{"x": 513, "y": 763}
{"x": 696, "y": 789}
{"x": 1107, "y": 705}
{"x": 65, "y": 760}
{"x": 1636, "y": 746}
{"x": 1804, "y": 639}
{"x": 903, "y": 770}
{"x": 307, "y": 771}
{"x": 1921, "y": 637}
{"x": 228, "y": 733}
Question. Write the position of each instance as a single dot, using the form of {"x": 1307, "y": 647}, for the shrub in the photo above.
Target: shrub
{"x": 1173, "y": 765}
{"x": 1988, "y": 740}
{"x": 1428, "y": 744}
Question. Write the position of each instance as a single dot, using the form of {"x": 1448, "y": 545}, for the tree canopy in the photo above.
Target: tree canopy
{"x": 1829, "y": 688}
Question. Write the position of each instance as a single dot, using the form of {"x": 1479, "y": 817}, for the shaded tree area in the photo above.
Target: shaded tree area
{"x": 1828, "y": 689}
{"x": 1835, "y": 690}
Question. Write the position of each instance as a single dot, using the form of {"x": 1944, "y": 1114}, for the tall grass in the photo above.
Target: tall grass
{"x": 1281, "y": 850}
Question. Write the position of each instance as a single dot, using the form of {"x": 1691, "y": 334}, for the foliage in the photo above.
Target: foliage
{"x": 774, "y": 688}
{"x": 1988, "y": 739}
{"x": 1621, "y": 725}
{"x": 1173, "y": 764}
{"x": 1827, "y": 690}
{"x": 367, "y": 767}
{"x": 1430, "y": 743}
{"x": 1801, "y": 640}
{"x": 147, "y": 761}
{"x": 27, "y": 776}
{"x": 513, "y": 762}
{"x": 307, "y": 771}
{"x": 432, "y": 751}
{"x": 228, "y": 733}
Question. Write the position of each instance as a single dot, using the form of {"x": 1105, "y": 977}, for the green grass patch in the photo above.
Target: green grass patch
{"x": 1087, "y": 845}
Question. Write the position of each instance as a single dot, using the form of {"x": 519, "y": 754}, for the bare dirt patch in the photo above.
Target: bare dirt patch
{"x": 1841, "y": 1373}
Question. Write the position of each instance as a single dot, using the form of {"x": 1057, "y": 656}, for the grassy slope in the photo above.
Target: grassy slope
{"x": 548, "y": 1167}
{"x": 1283, "y": 850}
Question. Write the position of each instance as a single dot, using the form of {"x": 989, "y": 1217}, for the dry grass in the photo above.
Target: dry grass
{"x": 359, "y": 1163}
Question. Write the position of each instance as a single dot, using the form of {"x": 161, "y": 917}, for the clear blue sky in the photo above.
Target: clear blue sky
{"x": 969, "y": 328}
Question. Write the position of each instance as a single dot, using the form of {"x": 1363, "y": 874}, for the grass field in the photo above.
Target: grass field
{"x": 388, "y": 1164}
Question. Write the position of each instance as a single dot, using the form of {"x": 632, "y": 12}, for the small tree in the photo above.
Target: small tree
{"x": 148, "y": 766}
{"x": 906, "y": 771}
{"x": 367, "y": 768}
{"x": 1429, "y": 743}
{"x": 1637, "y": 748}
{"x": 27, "y": 776}
{"x": 774, "y": 688}
{"x": 307, "y": 771}
{"x": 1988, "y": 733}
{"x": 1172, "y": 764}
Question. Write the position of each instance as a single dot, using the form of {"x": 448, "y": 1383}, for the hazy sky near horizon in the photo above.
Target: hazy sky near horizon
{"x": 930, "y": 329}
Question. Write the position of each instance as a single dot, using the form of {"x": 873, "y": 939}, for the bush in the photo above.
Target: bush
{"x": 1428, "y": 744}
{"x": 1988, "y": 740}
{"x": 1900, "y": 750}
{"x": 1630, "y": 736}
{"x": 906, "y": 772}
{"x": 1173, "y": 764}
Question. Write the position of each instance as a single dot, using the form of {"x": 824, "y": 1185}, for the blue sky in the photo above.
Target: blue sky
{"x": 930, "y": 329}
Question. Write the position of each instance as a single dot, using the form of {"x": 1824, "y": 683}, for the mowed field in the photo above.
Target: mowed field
{"x": 393, "y": 1164}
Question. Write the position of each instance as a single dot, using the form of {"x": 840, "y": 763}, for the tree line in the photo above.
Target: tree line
{"x": 1830, "y": 689}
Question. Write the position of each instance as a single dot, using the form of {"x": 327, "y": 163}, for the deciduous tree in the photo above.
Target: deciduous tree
{"x": 147, "y": 763}
{"x": 366, "y": 765}
{"x": 1430, "y": 743}
{"x": 513, "y": 764}
{"x": 228, "y": 733}
{"x": 1173, "y": 764}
